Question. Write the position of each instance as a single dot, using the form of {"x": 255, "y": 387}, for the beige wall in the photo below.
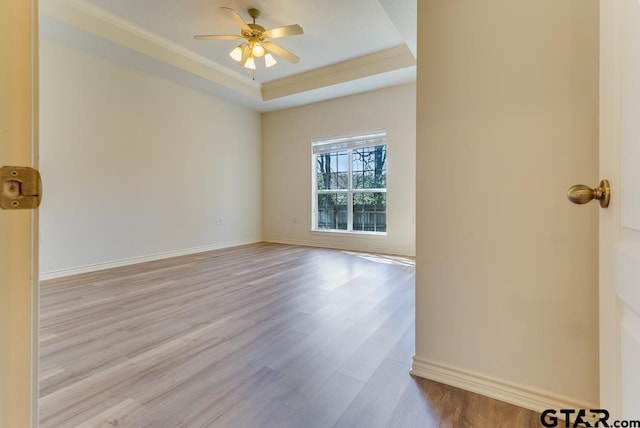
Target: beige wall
{"x": 286, "y": 167}
{"x": 136, "y": 167}
{"x": 506, "y": 267}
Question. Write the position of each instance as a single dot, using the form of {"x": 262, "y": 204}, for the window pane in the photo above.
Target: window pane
{"x": 332, "y": 211}
{"x": 334, "y": 174}
{"x": 357, "y": 164}
{"x": 324, "y": 181}
{"x": 358, "y": 180}
{"x": 332, "y": 170}
{"x": 343, "y": 180}
{"x": 338, "y": 161}
{"x": 370, "y": 212}
{"x": 323, "y": 170}
{"x": 369, "y": 180}
{"x": 370, "y": 168}
{"x": 333, "y": 180}
{"x": 343, "y": 161}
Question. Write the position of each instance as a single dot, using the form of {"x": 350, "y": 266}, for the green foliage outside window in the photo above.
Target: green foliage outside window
{"x": 368, "y": 173}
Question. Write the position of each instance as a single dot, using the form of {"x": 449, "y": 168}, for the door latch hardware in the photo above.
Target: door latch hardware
{"x": 20, "y": 188}
{"x": 581, "y": 194}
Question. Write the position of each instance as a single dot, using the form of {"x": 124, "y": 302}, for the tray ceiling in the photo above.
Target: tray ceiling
{"x": 347, "y": 46}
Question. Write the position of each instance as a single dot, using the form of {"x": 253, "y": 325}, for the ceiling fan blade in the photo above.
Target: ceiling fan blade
{"x": 281, "y": 52}
{"x": 217, "y": 37}
{"x": 289, "y": 30}
{"x": 246, "y": 52}
{"x": 233, "y": 14}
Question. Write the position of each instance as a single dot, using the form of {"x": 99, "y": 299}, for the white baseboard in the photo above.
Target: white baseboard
{"x": 340, "y": 246}
{"x": 520, "y": 395}
{"x": 141, "y": 259}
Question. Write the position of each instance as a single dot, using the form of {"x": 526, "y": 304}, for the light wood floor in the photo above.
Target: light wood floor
{"x": 255, "y": 336}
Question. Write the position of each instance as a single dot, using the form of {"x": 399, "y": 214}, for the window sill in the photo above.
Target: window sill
{"x": 358, "y": 233}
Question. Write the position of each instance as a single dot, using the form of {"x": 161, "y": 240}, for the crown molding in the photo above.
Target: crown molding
{"x": 376, "y": 63}
{"x": 113, "y": 28}
{"x": 303, "y": 88}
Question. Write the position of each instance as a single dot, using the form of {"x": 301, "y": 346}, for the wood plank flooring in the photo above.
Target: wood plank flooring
{"x": 262, "y": 335}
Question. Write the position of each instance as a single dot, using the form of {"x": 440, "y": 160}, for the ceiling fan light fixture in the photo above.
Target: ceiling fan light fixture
{"x": 269, "y": 60}
{"x": 255, "y": 40}
{"x": 236, "y": 53}
{"x": 250, "y": 64}
{"x": 258, "y": 50}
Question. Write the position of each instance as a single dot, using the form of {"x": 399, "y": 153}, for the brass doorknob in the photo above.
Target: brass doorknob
{"x": 581, "y": 194}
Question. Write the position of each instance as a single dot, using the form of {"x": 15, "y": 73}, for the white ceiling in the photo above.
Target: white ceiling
{"x": 347, "y": 46}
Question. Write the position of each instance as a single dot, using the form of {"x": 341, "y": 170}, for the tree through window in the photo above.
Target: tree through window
{"x": 350, "y": 183}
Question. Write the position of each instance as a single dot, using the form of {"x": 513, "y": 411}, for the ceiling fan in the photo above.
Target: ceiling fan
{"x": 256, "y": 44}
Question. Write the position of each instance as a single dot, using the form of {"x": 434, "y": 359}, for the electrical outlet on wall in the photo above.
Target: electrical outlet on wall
{"x": 219, "y": 221}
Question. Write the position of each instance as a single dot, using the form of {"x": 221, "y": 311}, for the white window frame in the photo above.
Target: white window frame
{"x": 344, "y": 143}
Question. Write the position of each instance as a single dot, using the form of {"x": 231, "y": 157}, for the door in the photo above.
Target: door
{"x": 620, "y": 223}
{"x": 18, "y": 229}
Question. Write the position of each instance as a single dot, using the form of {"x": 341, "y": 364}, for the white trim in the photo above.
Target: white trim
{"x": 350, "y": 135}
{"x": 627, "y": 267}
{"x": 391, "y": 59}
{"x": 85, "y": 16}
{"x": 346, "y": 247}
{"x": 341, "y": 232}
{"x": 329, "y": 191}
{"x": 141, "y": 259}
{"x": 350, "y": 190}
{"x": 631, "y": 323}
{"x": 510, "y": 392}
{"x": 609, "y": 220}
{"x": 346, "y": 142}
{"x": 118, "y": 21}
{"x": 111, "y": 27}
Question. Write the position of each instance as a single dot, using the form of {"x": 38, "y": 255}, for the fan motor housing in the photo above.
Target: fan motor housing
{"x": 256, "y": 28}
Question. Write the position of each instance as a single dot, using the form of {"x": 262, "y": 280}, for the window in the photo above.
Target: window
{"x": 350, "y": 183}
